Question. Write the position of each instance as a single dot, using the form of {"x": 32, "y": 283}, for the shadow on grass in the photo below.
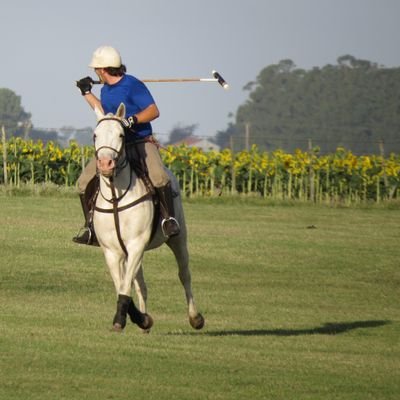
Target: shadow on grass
{"x": 330, "y": 328}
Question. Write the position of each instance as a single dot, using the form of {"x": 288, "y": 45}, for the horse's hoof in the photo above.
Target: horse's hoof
{"x": 197, "y": 321}
{"x": 146, "y": 324}
{"x": 117, "y": 328}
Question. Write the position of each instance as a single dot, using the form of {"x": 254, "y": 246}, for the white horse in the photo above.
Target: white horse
{"x": 123, "y": 222}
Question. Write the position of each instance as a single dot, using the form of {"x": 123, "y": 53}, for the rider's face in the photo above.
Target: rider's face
{"x": 99, "y": 72}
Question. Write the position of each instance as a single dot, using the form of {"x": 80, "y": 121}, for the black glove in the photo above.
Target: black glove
{"x": 85, "y": 85}
{"x": 129, "y": 122}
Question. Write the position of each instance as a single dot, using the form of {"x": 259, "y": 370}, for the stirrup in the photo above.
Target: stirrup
{"x": 86, "y": 236}
{"x": 170, "y": 227}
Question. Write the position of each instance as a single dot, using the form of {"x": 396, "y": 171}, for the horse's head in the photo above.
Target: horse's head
{"x": 109, "y": 141}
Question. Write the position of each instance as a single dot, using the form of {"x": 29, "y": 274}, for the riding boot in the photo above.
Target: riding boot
{"x": 86, "y": 235}
{"x": 169, "y": 224}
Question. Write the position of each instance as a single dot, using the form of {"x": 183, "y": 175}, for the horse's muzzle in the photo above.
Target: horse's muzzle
{"x": 106, "y": 166}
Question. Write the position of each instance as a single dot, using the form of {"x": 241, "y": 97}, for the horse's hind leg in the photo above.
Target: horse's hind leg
{"x": 178, "y": 246}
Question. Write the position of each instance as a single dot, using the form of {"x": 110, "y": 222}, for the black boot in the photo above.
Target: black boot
{"x": 119, "y": 321}
{"x": 169, "y": 224}
{"x": 86, "y": 234}
{"x": 143, "y": 321}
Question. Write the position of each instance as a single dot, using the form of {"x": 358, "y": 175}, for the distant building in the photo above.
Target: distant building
{"x": 201, "y": 143}
{"x": 44, "y": 136}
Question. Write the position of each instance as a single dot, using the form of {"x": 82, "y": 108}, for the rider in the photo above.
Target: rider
{"x": 119, "y": 87}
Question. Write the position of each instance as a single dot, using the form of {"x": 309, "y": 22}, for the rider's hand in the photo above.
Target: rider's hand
{"x": 85, "y": 85}
{"x": 129, "y": 122}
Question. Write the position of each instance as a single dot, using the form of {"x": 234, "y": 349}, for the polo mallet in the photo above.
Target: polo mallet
{"x": 217, "y": 78}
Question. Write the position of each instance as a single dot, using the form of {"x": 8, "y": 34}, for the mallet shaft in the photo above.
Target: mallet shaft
{"x": 217, "y": 78}
{"x": 180, "y": 80}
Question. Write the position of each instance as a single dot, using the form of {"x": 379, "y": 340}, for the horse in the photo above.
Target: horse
{"x": 123, "y": 216}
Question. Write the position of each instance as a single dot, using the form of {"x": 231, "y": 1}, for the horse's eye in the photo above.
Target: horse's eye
{"x": 94, "y": 137}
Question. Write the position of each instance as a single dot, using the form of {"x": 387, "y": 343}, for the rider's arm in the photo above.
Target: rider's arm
{"x": 93, "y": 101}
{"x": 148, "y": 114}
{"x": 85, "y": 86}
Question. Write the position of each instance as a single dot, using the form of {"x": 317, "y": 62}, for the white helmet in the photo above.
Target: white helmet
{"x": 104, "y": 57}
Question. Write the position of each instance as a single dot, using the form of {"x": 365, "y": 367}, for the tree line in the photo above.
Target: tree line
{"x": 355, "y": 104}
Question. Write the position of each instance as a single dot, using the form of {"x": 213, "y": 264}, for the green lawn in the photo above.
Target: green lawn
{"x": 300, "y": 302}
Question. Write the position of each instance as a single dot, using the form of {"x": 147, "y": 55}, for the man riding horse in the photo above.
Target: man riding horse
{"x": 141, "y": 147}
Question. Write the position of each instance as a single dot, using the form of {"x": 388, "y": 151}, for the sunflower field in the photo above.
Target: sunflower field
{"x": 306, "y": 176}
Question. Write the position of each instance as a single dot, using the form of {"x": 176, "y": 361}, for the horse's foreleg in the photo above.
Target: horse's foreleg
{"x": 115, "y": 266}
{"x": 119, "y": 320}
{"x": 134, "y": 271}
{"x": 125, "y": 307}
{"x": 140, "y": 317}
{"x": 179, "y": 248}
{"x": 131, "y": 269}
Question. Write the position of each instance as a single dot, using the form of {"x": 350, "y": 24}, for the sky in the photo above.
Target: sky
{"x": 46, "y": 45}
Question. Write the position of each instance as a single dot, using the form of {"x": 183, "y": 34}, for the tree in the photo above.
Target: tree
{"x": 12, "y": 115}
{"x": 180, "y": 132}
{"x": 224, "y": 138}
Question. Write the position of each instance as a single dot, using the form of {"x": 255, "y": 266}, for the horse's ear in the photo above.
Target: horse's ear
{"x": 99, "y": 113}
{"x": 121, "y": 111}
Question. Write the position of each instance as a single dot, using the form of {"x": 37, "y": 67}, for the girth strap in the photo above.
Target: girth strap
{"x": 123, "y": 208}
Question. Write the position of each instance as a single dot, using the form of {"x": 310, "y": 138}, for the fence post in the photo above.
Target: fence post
{"x": 83, "y": 161}
{"x": 311, "y": 171}
{"x": 247, "y": 136}
{"x": 4, "y": 141}
{"x": 385, "y": 178}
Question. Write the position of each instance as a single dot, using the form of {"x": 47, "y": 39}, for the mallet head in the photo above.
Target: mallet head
{"x": 220, "y": 80}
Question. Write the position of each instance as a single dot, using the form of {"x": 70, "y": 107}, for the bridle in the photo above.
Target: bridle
{"x": 119, "y": 165}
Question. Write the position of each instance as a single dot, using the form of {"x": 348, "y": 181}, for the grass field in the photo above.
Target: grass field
{"x": 300, "y": 302}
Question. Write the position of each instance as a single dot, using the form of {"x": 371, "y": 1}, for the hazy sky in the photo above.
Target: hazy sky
{"x": 46, "y": 45}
